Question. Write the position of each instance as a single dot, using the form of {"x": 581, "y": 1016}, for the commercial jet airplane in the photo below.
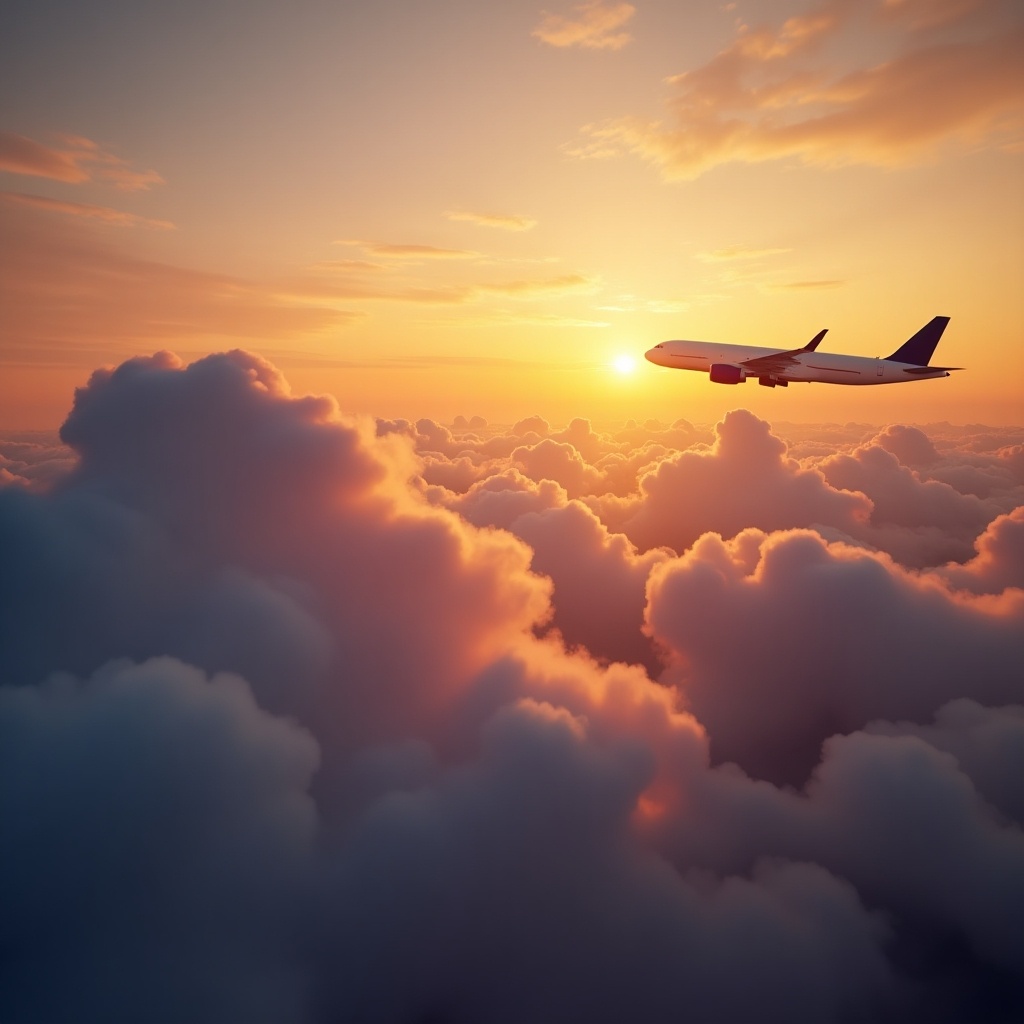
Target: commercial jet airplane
{"x": 776, "y": 367}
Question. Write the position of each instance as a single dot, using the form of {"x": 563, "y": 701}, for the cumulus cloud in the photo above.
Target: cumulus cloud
{"x": 745, "y": 479}
{"x": 811, "y": 639}
{"x": 999, "y": 561}
{"x": 772, "y": 93}
{"x": 594, "y": 25}
{"x": 572, "y": 547}
{"x": 166, "y": 817}
{"x": 33, "y": 458}
{"x": 311, "y": 718}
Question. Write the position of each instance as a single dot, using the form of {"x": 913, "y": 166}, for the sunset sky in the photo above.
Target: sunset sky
{"x": 382, "y": 639}
{"x": 454, "y": 207}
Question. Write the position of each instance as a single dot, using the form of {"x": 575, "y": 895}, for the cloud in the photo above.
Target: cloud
{"x": 771, "y": 95}
{"x": 286, "y": 714}
{"x": 920, "y": 521}
{"x": 572, "y": 547}
{"x": 843, "y": 618}
{"x": 800, "y": 286}
{"x": 737, "y": 252}
{"x": 744, "y": 480}
{"x": 110, "y": 301}
{"x": 999, "y": 562}
{"x": 107, "y": 214}
{"x": 21, "y": 155}
{"x": 410, "y": 251}
{"x": 80, "y": 160}
{"x": 194, "y": 780}
{"x": 33, "y": 458}
{"x": 595, "y": 26}
{"x": 351, "y": 283}
{"x": 502, "y": 221}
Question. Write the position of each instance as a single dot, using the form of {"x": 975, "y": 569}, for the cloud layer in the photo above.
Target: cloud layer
{"x": 311, "y": 718}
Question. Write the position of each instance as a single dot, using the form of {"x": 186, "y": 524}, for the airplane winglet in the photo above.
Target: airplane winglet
{"x": 815, "y": 341}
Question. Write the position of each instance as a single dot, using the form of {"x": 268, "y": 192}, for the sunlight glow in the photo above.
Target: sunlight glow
{"x": 624, "y": 364}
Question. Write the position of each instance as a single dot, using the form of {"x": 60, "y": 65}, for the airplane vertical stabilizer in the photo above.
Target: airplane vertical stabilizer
{"x": 918, "y": 350}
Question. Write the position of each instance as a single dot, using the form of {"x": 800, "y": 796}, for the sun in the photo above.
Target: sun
{"x": 624, "y": 364}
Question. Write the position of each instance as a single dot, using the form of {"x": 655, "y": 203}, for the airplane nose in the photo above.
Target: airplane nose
{"x": 651, "y": 355}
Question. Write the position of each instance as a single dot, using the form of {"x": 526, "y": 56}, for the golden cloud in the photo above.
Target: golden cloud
{"x": 407, "y": 251}
{"x": 80, "y": 160}
{"x": 770, "y": 95}
{"x": 594, "y": 27}
{"x": 502, "y": 221}
{"x": 107, "y": 214}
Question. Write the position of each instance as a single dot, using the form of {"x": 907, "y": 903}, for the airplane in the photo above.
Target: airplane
{"x": 774, "y": 367}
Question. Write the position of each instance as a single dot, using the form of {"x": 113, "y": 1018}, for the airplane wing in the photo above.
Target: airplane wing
{"x": 779, "y": 362}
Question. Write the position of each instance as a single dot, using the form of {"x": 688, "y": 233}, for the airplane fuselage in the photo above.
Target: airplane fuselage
{"x": 824, "y": 367}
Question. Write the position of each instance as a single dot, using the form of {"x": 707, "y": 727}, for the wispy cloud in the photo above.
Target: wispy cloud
{"x": 631, "y": 304}
{"x": 348, "y": 266}
{"x": 547, "y": 286}
{"x": 592, "y": 26}
{"x": 780, "y": 92}
{"x": 103, "y": 302}
{"x": 21, "y": 155}
{"x": 737, "y": 252}
{"x": 352, "y": 288}
{"x": 107, "y": 214}
{"x": 790, "y": 286}
{"x": 502, "y": 221}
{"x": 406, "y": 251}
{"x": 515, "y": 318}
{"x": 80, "y": 159}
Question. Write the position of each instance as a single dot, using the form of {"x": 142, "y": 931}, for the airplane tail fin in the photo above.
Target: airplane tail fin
{"x": 918, "y": 349}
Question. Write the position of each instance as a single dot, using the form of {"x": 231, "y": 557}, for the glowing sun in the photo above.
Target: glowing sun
{"x": 623, "y": 364}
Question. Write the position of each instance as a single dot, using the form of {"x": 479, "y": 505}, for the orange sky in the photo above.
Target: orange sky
{"x": 469, "y": 208}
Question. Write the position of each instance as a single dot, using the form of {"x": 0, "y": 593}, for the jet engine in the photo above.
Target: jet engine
{"x": 726, "y": 373}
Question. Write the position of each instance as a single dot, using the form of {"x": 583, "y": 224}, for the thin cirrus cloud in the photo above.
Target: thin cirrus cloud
{"x": 771, "y": 95}
{"x": 91, "y": 211}
{"x": 354, "y": 286}
{"x": 79, "y": 160}
{"x": 738, "y": 252}
{"x": 103, "y": 300}
{"x": 592, "y": 26}
{"x": 410, "y": 251}
{"x": 803, "y": 286}
{"x": 502, "y": 221}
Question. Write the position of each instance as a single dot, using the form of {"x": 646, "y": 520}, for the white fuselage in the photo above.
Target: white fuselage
{"x": 824, "y": 367}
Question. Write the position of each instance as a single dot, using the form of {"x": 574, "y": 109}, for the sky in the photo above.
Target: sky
{"x": 372, "y": 650}
{"x": 461, "y": 208}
